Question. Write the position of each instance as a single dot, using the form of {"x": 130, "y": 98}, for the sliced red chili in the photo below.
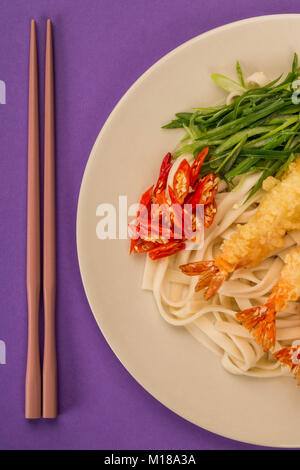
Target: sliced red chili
{"x": 181, "y": 181}
{"x": 159, "y": 213}
{"x": 210, "y": 187}
{"x": 146, "y": 229}
{"x": 172, "y": 195}
{"x": 146, "y": 197}
{"x": 133, "y": 243}
{"x": 161, "y": 198}
{"x": 197, "y": 227}
{"x": 163, "y": 175}
{"x": 150, "y": 224}
{"x": 167, "y": 249}
{"x": 196, "y": 166}
{"x": 177, "y": 216}
{"x": 205, "y": 190}
{"x": 145, "y": 202}
{"x": 210, "y": 211}
{"x": 145, "y": 246}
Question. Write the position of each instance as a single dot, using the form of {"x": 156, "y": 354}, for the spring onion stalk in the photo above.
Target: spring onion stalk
{"x": 260, "y": 130}
{"x": 227, "y": 84}
{"x": 240, "y": 73}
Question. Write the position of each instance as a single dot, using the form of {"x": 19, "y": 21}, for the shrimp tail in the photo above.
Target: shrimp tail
{"x": 290, "y": 357}
{"x": 285, "y": 356}
{"x": 211, "y": 278}
{"x": 260, "y": 321}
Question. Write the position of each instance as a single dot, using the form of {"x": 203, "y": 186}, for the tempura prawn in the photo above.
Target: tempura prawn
{"x": 278, "y": 213}
{"x": 290, "y": 356}
{"x": 260, "y": 320}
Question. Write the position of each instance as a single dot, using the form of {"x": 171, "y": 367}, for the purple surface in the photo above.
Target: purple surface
{"x": 102, "y": 47}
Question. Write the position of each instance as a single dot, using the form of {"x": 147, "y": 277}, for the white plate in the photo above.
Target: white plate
{"x": 125, "y": 159}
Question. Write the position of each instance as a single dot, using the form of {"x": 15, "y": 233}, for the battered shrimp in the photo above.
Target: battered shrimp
{"x": 278, "y": 213}
{"x": 260, "y": 320}
{"x": 290, "y": 357}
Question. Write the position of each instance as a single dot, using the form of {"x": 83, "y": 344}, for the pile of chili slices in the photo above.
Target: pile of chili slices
{"x": 188, "y": 187}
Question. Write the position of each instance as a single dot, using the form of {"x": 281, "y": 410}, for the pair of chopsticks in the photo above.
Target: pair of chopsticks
{"x": 37, "y": 402}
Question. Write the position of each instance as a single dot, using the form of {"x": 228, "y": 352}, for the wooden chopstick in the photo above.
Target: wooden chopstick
{"x": 33, "y": 371}
{"x": 49, "y": 279}
{"x": 33, "y": 391}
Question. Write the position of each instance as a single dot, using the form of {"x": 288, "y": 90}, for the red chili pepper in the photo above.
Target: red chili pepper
{"x": 133, "y": 243}
{"x": 167, "y": 249}
{"x": 177, "y": 216}
{"x": 205, "y": 190}
{"x": 163, "y": 174}
{"x": 210, "y": 187}
{"x": 196, "y": 166}
{"x": 161, "y": 198}
{"x": 146, "y": 246}
{"x": 197, "y": 228}
{"x": 172, "y": 195}
{"x": 146, "y": 197}
{"x": 145, "y": 202}
{"x": 150, "y": 224}
{"x": 159, "y": 212}
{"x": 210, "y": 211}
{"x": 181, "y": 181}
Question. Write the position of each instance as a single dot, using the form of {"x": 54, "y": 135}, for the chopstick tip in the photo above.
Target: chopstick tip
{"x": 33, "y": 31}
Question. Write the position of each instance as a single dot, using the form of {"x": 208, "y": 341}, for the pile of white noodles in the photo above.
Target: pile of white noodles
{"x": 213, "y": 322}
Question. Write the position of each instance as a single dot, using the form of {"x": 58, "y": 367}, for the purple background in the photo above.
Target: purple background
{"x": 101, "y": 48}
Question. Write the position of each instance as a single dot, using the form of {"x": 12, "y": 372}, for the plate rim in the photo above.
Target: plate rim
{"x": 88, "y": 164}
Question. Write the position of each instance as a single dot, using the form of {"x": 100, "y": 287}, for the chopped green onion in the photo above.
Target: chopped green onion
{"x": 259, "y": 131}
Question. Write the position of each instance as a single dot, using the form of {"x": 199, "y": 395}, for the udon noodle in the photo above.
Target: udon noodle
{"x": 213, "y": 323}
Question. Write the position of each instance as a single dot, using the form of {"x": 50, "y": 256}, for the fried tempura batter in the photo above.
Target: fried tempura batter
{"x": 290, "y": 357}
{"x": 261, "y": 319}
{"x": 278, "y": 213}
